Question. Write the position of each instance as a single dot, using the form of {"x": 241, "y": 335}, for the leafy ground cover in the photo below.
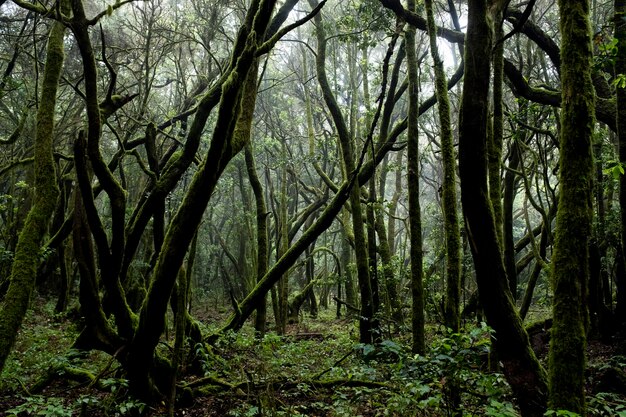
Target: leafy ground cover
{"x": 317, "y": 369}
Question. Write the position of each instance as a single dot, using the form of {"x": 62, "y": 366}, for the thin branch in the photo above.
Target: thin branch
{"x": 269, "y": 44}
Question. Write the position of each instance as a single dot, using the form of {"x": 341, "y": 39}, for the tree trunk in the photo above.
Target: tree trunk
{"x": 237, "y": 101}
{"x": 620, "y": 93}
{"x": 27, "y": 251}
{"x": 450, "y": 214}
{"x": 390, "y": 281}
{"x": 348, "y": 154}
{"x": 346, "y": 278}
{"x": 570, "y": 258}
{"x": 495, "y": 138}
{"x": 510, "y": 187}
{"x": 534, "y": 276}
{"x": 523, "y": 371}
{"x": 282, "y": 244}
{"x": 261, "y": 235}
{"x": 415, "y": 217}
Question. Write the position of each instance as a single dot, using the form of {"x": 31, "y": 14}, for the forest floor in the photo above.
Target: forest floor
{"x": 317, "y": 369}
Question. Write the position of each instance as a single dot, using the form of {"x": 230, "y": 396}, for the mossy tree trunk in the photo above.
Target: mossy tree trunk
{"x": 347, "y": 277}
{"x": 261, "y": 237}
{"x": 348, "y": 156}
{"x": 495, "y": 138}
{"x": 620, "y": 93}
{"x": 311, "y": 299}
{"x": 570, "y": 258}
{"x": 450, "y": 213}
{"x": 509, "y": 193}
{"x": 27, "y": 251}
{"x": 523, "y": 371}
{"x": 415, "y": 217}
{"x": 390, "y": 281}
{"x": 282, "y": 244}
{"x": 534, "y": 275}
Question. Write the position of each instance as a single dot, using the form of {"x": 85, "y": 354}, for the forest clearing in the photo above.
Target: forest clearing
{"x": 319, "y": 208}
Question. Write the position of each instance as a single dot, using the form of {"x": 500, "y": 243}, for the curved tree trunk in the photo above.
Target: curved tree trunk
{"x": 261, "y": 239}
{"x": 523, "y": 371}
{"x": 237, "y": 100}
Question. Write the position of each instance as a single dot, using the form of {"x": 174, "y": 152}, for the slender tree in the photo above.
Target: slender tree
{"x": 349, "y": 160}
{"x": 450, "y": 212}
{"x": 620, "y": 68}
{"x": 415, "y": 222}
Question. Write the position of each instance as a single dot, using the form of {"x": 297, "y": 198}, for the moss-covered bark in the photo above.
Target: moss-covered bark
{"x": 523, "y": 371}
{"x": 347, "y": 278}
{"x": 570, "y": 258}
{"x": 390, "y": 282}
{"x": 495, "y": 139}
{"x": 261, "y": 238}
{"x": 348, "y": 155}
{"x": 450, "y": 213}
{"x": 27, "y": 251}
{"x": 510, "y": 191}
{"x": 415, "y": 221}
{"x": 282, "y": 244}
{"x": 534, "y": 275}
{"x": 98, "y": 331}
{"x": 620, "y": 93}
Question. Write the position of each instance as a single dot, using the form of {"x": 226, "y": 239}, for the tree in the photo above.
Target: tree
{"x": 349, "y": 161}
{"x": 521, "y": 367}
{"x": 27, "y": 251}
{"x": 417, "y": 285}
{"x": 450, "y": 212}
{"x": 570, "y": 260}
{"x": 620, "y": 67}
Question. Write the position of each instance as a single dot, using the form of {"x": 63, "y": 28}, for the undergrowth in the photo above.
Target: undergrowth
{"x": 317, "y": 369}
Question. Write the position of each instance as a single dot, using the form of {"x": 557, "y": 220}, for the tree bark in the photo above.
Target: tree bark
{"x": 523, "y": 371}
{"x": 237, "y": 100}
{"x": 27, "y": 251}
{"x": 261, "y": 235}
{"x": 415, "y": 222}
{"x": 348, "y": 154}
{"x": 450, "y": 213}
{"x": 620, "y": 68}
{"x": 570, "y": 258}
